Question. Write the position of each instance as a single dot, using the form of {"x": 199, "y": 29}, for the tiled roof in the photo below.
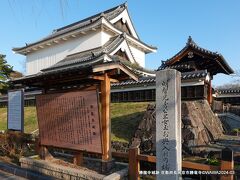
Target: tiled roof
{"x": 135, "y": 67}
{"x": 96, "y": 61}
{"x": 152, "y": 80}
{"x": 228, "y": 91}
{"x": 90, "y": 21}
{"x": 148, "y": 80}
{"x": 108, "y": 14}
{"x": 179, "y": 66}
{"x": 191, "y": 44}
{"x": 194, "y": 74}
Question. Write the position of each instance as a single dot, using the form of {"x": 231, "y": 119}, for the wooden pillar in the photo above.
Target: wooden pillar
{"x": 134, "y": 165}
{"x": 227, "y": 164}
{"x": 44, "y": 153}
{"x": 78, "y": 159}
{"x": 106, "y": 123}
{"x": 210, "y": 92}
{"x": 37, "y": 145}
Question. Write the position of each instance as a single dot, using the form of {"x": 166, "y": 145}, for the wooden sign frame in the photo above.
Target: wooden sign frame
{"x": 76, "y": 113}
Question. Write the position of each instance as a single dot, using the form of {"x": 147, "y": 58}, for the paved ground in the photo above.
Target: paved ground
{"x": 5, "y": 176}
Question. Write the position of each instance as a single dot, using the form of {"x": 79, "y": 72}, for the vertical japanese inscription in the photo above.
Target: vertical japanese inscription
{"x": 70, "y": 120}
{"x": 168, "y": 124}
{"x": 165, "y": 124}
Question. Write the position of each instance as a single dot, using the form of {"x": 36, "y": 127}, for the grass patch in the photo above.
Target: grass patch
{"x": 3, "y": 118}
{"x": 125, "y": 119}
{"x": 30, "y": 120}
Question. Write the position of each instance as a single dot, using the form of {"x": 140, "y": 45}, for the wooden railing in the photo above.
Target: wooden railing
{"x": 134, "y": 157}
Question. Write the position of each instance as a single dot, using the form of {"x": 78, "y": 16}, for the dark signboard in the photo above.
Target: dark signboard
{"x": 70, "y": 120}
{"x": 15, "y": 110}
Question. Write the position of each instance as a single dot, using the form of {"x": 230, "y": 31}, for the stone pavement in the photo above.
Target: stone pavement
{"x": 5, "y": 176}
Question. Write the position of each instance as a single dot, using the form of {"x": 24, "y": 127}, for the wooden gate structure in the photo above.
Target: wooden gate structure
{"x": 81, "y": 77}
{"x": 100, "y": 78}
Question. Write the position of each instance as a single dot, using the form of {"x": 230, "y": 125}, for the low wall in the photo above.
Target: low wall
{"x": 68, "y": 173}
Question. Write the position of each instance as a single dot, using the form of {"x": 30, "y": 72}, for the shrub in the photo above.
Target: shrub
{"x": 14, "y": 144}
{"x": 213, "y": 161}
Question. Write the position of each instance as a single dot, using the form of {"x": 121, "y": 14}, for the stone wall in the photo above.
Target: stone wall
{"x": 66, "y": 172}
{"x": 200, "y": 128}
{"x": 145, "y": 135}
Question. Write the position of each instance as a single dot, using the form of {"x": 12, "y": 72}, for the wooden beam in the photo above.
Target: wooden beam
{"x": 103, "y": 68}
{"x": 57, "y": 89}
{"x": 106, "y": 123}
{"x": 120, "y": 155}
{"x": 102, "y": 78}
{"x": 198, "y": 166}
{"x": 146, "y": 158}
{"x": 114, "y": 80}
{"x": 65, "y": 79}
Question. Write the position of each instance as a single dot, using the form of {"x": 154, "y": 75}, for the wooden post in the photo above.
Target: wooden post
{"x": 210, "y": 92}
{"x": 44, "y": 153}
{"x": 37, "y": 145}
{"x": 227, "y": 164}
{"x": 78, "y": 159}
{"x": 106, "y": 124}
{"x": 134, "y": 165}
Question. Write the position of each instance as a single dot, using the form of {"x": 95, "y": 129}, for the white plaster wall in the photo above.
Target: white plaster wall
{"x": 138, "y": 55}
{"x": 105, "y": 37}
{"x": 46, "y": 57}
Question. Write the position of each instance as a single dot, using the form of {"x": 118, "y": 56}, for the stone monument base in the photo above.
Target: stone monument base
{"x": 65, "y": 172}
{"x": 107, "y": 166}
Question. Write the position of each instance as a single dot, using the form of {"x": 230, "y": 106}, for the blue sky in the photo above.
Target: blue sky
{"x": 214, "y": 25}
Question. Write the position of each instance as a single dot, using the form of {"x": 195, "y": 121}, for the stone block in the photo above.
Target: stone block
{"x": 168, "y": 124}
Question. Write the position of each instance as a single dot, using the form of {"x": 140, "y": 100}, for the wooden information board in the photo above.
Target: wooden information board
{"x": 70, "y": 120}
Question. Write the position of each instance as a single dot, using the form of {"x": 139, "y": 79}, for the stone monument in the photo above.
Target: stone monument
{"x": 168, "y": 124}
